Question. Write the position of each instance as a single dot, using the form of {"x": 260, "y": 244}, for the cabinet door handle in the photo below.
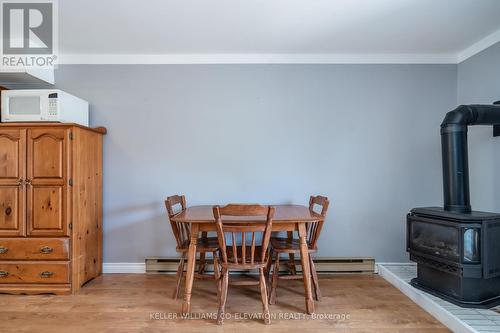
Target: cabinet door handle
{"x": 4, "y": 274}
{"x": 20, "y": 182}
{"x": 46, "y": 250}
{"x": 46, "y": 274}
{"x": 3, "y": 250}
{"x": 28, "y": 182}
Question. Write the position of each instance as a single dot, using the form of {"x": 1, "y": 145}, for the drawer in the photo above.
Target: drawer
{"x": 34, "y": 249}
{"x": 34, "y": 272}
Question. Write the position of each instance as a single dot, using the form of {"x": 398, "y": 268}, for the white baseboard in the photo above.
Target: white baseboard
{"x": 124, "y": 267}
{"x": 140, "y": 267}
{"x": 135, "y": 268}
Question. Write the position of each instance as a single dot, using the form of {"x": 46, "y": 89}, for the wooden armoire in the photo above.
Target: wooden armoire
{"x": 50, "y": 207}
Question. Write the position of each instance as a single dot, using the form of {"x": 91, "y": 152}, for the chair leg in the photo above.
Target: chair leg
{"x": 201, "y": 267}
{"x": 291, "y": 264}
{"x": 263, "y": 296}
{"x": 315, "y": 281}
{"x": 274, "y": 285}
{"x": 269, "y": 265}
{"x": 223, "y": 297}
{"x": 216, "y": 272}
{"x": 180, "y": 272}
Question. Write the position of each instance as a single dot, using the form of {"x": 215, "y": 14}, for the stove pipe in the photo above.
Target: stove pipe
{"x": 455, "y": 153}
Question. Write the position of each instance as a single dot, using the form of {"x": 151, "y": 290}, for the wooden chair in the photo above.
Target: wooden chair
{"x": 182, "y": 236}
{"x": 291, "y": 246}
{"x": 242, "y": 252}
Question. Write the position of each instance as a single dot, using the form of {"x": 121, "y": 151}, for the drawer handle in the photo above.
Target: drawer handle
{"x": 46, "y": 250}
{"x": 4, "y": 274}
{"x": 3, "y": 250}
{"x": 46, "y": 274}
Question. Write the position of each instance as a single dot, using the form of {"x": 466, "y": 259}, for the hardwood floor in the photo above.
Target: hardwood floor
{"x": 143, "y": 303}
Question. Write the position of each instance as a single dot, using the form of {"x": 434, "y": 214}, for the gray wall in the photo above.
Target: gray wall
{"x": 367, "y": 136}
{"x": 479, "y": 82}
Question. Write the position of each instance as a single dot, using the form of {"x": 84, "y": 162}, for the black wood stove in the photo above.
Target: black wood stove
{"x": 457, "y": 250}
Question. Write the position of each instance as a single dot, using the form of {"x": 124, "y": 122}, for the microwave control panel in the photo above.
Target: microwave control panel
{"x": 52, "y": 104}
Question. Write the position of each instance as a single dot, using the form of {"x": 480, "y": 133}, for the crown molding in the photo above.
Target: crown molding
{"x": 261, "y": 58}
{"x": 282, "y": 58}
{"x": 479, "y": 46}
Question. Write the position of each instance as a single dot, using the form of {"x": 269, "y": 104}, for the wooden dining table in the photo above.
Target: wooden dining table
{"x": 286, "y": 218}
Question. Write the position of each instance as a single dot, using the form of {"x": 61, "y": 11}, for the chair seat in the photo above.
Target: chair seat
{"x": 285, "y": 245}
{"x": 248, "y": 256}
{"x": 208, "y": 244}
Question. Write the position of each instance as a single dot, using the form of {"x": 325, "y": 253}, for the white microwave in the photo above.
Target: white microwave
{"x": 43, "y": 105}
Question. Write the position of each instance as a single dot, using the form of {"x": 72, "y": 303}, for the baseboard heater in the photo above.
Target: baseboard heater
{"x": 324, "y": 265}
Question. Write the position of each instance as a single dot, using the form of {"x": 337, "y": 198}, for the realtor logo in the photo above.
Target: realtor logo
{"x": 28, "y": 33}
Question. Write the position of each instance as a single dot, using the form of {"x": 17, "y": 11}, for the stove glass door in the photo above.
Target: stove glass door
{"x": 435, "y": 239}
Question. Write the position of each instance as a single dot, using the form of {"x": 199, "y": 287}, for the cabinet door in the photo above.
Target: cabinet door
{"x": 47, "y": 182}
{"x": 12, "y": 174}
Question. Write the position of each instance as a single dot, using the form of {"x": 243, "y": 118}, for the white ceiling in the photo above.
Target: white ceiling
{"x": 436, "y": 30}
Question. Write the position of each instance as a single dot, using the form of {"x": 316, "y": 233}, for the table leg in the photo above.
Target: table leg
{"x": 306, "y": 269}
{"x": 186, "y": 305}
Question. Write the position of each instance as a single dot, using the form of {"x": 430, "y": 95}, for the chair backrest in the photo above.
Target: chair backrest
{"x": 237, "y": 231}
{"x": 181, "y": 230}
{"x": 314, "y": 228}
